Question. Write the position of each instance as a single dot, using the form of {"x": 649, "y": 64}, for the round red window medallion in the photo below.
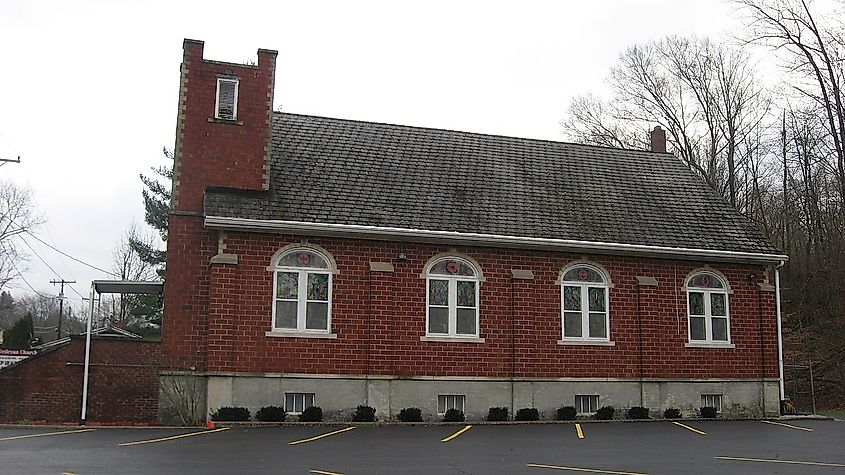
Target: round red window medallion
{"x": 705, "y": 280}
{"x": 303, "y": 258}
{"x": 582, "y": 274}
{"x": 452, "y": 267}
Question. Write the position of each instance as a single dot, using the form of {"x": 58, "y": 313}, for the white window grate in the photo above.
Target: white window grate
{"x": 227, "y": 99}
{"x": 295, "y": 403}
{"x": 586, "y": 404}
{"x": 450, "y": 401}
{"x": 712, "y": 400}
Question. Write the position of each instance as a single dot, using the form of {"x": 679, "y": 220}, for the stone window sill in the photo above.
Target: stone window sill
{"x": 585, "y": 343}
{"x": 283, "y": 334}
{"x": 709, "y": 345}
{"x": 447, "y": 339}
{"x": 216, "y": 120}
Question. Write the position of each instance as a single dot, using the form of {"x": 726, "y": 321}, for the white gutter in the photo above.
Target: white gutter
{"x": 425, "y": 235}
{"x": 780, "y": 335}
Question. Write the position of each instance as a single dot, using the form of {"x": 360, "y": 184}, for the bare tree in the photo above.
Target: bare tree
{"x": 128, "y": 264}
{"x": 17, "y": 216}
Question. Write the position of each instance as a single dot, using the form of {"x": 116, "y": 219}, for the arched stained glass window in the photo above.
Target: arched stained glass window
{"x": 302, "y": 292}
{"x": 452, "y": 298}
{"x": 707, "y": 308}
{"x": 584, "y": 310}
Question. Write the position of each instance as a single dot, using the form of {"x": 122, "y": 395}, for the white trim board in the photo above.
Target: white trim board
{"x": 422, "y": 235}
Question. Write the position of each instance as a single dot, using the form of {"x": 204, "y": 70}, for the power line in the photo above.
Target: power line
{"x": 51, "y": 268}
{"x": 69, "y": 256}
{"x": 20, "y": 274}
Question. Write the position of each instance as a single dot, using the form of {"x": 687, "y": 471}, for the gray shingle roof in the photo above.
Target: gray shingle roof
{"x": 338, "y": 171}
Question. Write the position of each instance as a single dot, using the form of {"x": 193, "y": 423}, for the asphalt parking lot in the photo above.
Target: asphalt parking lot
{"x": 806, "y": 446}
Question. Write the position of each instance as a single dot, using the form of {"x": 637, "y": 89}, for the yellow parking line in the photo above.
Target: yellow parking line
{"x": 788, "y": 425}
{"x": 447, "y": 439}
{"x": 173, "y": 437}
{"x": 578, "y": 469}
{"x": 43, "y": 434}
{"x": 318, "y": 437}
{"x": 690, "y": 428}
{"x": 579, "y": 431}
{"x": 795, "y": 462}
{"x": 324, "y": 472}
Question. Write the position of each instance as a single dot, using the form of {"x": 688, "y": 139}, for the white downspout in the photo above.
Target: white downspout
{"x": 780, "y": 335}
{"x": 87, "y": 358}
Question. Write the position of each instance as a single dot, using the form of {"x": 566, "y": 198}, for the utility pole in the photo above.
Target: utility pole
{"x": 61, "y": 302}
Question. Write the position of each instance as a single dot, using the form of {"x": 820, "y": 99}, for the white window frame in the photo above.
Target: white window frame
{"x": 589, "y": 399}
{"x": 715, "y": 398}
{"x": 217, "y": 99}
{"x": 454, "y": 398}
{"x": 585, "y": 304}
{"x": 302, "y": 293}
{"x": 304, "y": 400}
{"x": 453, "y": 299}
{"x": 708, "y": 311}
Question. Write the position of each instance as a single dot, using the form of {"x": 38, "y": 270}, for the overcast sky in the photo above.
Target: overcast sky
{"x": 88, "y": 90}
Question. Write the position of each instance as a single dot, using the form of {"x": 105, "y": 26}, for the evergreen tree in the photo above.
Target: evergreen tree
{"x": 20, "y": 335}
{"x": 156, "y": 196}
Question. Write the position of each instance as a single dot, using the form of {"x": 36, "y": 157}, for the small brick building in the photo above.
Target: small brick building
{"x": 332, "y": 262}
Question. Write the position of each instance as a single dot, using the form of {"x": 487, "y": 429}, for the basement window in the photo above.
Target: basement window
{"x": 712, "y": 400}
{"x": 586, "y": 404}
{"x": 226, "y": 106}
{"x": 295, "y": 403}
{"x": 450, "y": 401}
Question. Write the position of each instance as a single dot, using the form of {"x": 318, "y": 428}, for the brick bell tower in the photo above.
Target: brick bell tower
{"x": 223, "y": 139}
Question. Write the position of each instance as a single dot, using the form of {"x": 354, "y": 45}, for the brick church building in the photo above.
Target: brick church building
{"x": 330, "y": 262}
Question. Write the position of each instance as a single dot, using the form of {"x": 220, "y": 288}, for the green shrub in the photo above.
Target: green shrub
{"x": 364, "y": 414}
{"x": 528, "y": 414}
{"x": 605, "y": 413}
{"x": 311, "y": 414}
{"x": 271, "y": 414}
{"x": 453, "y": 415}
{"x": 708, "y": 412}
{"x": 410, "y": 414}
{"x": 230, "y": 414}
{"x": 497, "y": 414}
{"x": 638, "y": 412}
{"x": 672, "y": 413}
{"x": 566, "y": 413}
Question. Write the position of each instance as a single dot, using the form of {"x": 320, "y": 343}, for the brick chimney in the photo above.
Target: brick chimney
{"x": 223, "y": 126}
{"x": 658, "y": 140}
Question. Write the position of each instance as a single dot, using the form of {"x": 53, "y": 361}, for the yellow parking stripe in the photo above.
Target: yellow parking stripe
{"x": 579, "y": 431}
{"x": 323, "y": 472}
{"x": 794, "y": 462}
{"x": 787, "y": 425}
{"x": 173, "y": 437}
{"x": 447, "y": 439}
{"x": 43, "y": 434}
{"x": 690, "y": 428}
{"x": 578, "y": 469}
{"x": 318, "y": 437}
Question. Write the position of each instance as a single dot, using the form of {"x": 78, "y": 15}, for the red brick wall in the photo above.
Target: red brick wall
{"x": 392, "y": 306}
{"x": 123, "y": 384}
{"x": 216, "y": 153}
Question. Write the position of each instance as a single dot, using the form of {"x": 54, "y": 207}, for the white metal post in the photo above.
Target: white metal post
{"x": 87, "y": 357}
{"x": 780, "y": 336}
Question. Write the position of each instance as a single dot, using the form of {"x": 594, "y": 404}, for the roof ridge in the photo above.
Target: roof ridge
{"x": 482, "y": 134}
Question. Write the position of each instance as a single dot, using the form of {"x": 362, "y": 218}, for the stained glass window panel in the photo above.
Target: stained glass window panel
{"x": 572, "y": 324}
{"x": 598, "y": 329}
{"x": 718, "y": 304}
{"x": 466, "y": 321}
{"x": 287, "y": 285}
{"x": 285, "y": 314}
{"x": 301, "y": 258}
{"x": 597, "y": 301}
{"x": 438, "y": 292}
{"x": 696, "y": 303}
{"x": 571, "y": 298}
{"x": 438, "y": 320}
{"x": 318, "y": 287}
{"x": 466, "y": 294}
{"x": 706, "y": 281}
{"x": 317, "y": 316}
{"x": 452, "y": 267}
{"x": 697, "y": 329}
{"x": 720, "y": 329}
{"x": 582, "y": 274}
